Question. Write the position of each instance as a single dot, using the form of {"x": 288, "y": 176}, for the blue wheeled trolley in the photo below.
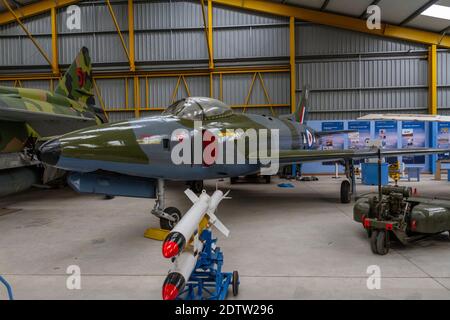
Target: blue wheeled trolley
{"x": 208, "y": 282}
{"x": 8, "y": 287}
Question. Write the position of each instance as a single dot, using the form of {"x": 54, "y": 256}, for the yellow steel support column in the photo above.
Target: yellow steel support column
{"x": 55, "y": 64}
{"x": 137, "y": 97}
{"x": 30, "y": 36}
{"x": 292, "y": 63}
{"x": 432, "y": 80}
{"x": 131, "y": 35}
{"x": 210, "y": 34}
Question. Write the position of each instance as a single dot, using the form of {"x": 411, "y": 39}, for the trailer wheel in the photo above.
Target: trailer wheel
{"x": 235, "y": 283}
{"x": 166, "y": 224}
{"x": 373, "y": 241}
{"x": 345, "y": 192}
{"x": 383, "y": 242}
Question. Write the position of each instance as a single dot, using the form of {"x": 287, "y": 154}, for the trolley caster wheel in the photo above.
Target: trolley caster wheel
{"x": 373, "y": 241}
{"x": 346, "y": 195}
{"x": 196, "y": 186}
{"x": 167, "y": 224}
{"x": 383, "y": 242}
{"x": 235, "y": 283}
{"x": 379, "y": 242}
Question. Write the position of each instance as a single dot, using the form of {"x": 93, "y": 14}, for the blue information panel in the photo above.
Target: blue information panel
{"x": 413, "y": 136}
{"x": 360, "y": 138}
{"x": 386, "y": 132}
{"x": 443, "y": 138}
{"x": 334, "y": 141}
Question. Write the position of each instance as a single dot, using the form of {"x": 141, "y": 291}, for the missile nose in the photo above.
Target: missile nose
{"x": 170, "y": 249}
{"x": 50, "y": 152}
{"x": 173, "y": 244}
{"x": 173, "y": 286}
{"x": 170, "y": 292}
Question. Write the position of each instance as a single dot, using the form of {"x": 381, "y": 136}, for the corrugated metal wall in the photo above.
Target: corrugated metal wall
{"x": 349, "y": 73}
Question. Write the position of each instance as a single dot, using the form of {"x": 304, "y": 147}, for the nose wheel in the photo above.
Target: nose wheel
{"x": 175, "y": 214}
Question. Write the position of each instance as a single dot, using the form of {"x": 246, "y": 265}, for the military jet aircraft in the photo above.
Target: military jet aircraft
{"x": 26, "y": 114}
{"x": 135, "y": 157}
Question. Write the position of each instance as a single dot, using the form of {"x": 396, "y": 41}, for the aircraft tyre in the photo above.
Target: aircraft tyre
{"x": 173, "y": 212}
{"x": 345, "y": 192}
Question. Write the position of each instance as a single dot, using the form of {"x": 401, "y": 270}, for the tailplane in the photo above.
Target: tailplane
{"x": 77, "y": 83}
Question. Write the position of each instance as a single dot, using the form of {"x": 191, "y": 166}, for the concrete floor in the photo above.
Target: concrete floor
{"x": 286, "y": 243}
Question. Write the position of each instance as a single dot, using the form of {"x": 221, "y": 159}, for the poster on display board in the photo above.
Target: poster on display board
{"x": 334, "y": 141}
{"x": 443, "y": 139}
{"x": 413, "y": 136}
{"x": 386, "y": 132}
{"x": 360, "y": 138}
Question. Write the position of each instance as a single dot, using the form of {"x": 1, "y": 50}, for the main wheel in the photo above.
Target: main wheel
{"x": 196, "y": 186}
{"x": 233, "y": 180}
{"x": 167, "y": 224}
{"x": 235, "y": 283}
{"x": 383, "y": 242}
{"x": 345, "y": 192}
{"x": 373, "y": 241}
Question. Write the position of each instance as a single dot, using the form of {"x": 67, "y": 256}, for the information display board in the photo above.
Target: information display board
{"x": 386, "y": 132}
{"x": 413, "y": 136}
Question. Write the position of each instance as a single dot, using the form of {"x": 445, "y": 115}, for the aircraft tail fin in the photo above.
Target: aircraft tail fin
{"x": 77, "y": 83}
{"x": 300, "y": 113}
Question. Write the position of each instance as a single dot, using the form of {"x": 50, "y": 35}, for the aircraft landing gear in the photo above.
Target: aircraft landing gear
{"x": 348, "y": 186}
{"x": 168, "y": 217}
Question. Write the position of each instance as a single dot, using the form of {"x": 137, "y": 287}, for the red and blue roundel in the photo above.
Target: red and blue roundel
{"x": 310, "y": 138}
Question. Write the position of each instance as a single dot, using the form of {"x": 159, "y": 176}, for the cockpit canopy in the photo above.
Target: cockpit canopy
{"x": 198, "y": 109}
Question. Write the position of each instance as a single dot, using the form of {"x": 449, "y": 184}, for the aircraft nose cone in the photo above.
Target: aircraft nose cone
{"x": 50, "y": 152}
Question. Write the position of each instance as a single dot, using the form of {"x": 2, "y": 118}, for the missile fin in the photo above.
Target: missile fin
{"x": 191, "y": 195}
{"x": 218, "y": 224}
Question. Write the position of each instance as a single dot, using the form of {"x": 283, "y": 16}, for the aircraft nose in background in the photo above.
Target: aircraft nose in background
{"x": 50, "y": 152}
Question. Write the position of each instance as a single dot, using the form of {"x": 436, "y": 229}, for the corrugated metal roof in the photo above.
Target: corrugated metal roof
{"x": 15, "y": 4}
{"x": 392, "y": 11}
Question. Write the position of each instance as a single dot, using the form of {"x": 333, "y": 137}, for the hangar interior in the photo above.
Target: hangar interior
{"x": 257, "y": 57}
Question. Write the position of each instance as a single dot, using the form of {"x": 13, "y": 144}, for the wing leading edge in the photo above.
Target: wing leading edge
{"x": 298, "y": 156}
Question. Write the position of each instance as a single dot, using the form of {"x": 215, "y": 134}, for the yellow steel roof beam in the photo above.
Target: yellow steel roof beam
{"x": 339, "y": 21}
{"x": 34, "y": 9}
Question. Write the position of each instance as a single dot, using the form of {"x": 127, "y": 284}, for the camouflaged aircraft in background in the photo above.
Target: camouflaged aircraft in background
{"x": 28, "y": 114}
{"x": 134, "y": 158}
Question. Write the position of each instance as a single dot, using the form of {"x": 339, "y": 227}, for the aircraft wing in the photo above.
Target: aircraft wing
{"x": 298, "y": 156}
{"x": 405, "y": 117}
{"x": 45, "y": 118}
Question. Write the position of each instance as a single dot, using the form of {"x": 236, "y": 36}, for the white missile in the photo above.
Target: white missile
{"x": 177, "y": 239}
{"x": 181, "y": 272}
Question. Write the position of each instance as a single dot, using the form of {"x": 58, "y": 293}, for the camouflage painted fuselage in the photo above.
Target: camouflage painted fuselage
{"x": 144, "y": 147}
